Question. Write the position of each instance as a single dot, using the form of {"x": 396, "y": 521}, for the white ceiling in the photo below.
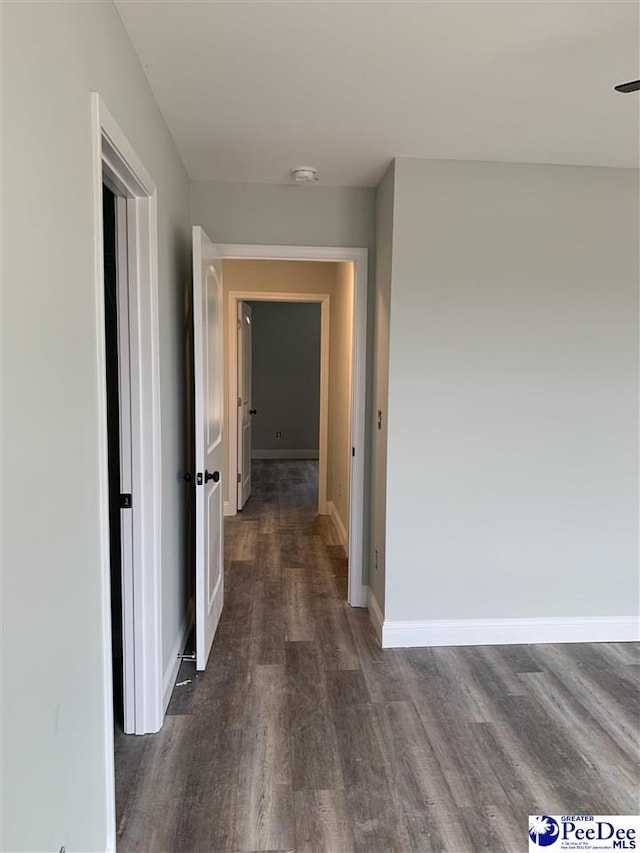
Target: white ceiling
{"x": 252, "y": 89}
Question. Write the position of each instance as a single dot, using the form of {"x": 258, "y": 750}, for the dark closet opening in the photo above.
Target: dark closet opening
{"x": 113, "y": 439}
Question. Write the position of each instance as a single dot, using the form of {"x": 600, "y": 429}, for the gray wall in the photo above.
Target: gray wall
{"x": 513, "y": 392}
{"x": 286, "y": 375}
{"x": 53, "y": 675}
{"x": 284, "y": 215}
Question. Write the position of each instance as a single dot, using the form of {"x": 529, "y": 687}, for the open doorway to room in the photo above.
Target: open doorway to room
{"x": 279, "y": 371}
{"x": 282, "y": 386}
{"x": 280, "y": 305}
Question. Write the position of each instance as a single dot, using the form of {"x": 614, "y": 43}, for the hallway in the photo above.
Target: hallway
{"x": 303, "y": 735}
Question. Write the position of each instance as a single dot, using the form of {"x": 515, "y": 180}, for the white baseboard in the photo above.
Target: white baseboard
{"x": 490, "y": 632}
{"x": 171, "y": 672}
{"x": 228, "y": 509}
{"x": 332, "y": 510}
{"x": 285, "y": 454}
{"x": 375, "y": 614}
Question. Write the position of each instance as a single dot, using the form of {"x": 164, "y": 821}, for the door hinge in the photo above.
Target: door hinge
{"x": 239, "y": 478}
{"x": 239, "y": 324}
{"x": 239, "y": 401}
{"x": 353, "y": 451}
{"x": 125, "y": 501}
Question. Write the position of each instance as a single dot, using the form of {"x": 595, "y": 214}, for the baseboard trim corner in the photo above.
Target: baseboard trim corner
{"x": 497, "y": 632}
{"x": 332, "y": 511}
{"x": 171, "y": 672}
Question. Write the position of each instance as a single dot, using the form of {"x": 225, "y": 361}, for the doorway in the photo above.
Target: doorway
{"x": 354, "y": 264}
{"x": 119, "y": 541}
{"x": 128, "y": 378}
{"x": 284, "y": 391}
{"x": 279, "y": 379}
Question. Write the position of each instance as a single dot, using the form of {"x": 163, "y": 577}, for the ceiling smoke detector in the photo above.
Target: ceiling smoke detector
{"x": 305, "y": 175}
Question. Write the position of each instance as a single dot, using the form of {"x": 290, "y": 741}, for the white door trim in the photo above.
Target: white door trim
{"x": 115, "y": 162}
{"x": 243, "y": 486}
{"x": 359, "y": 257}
{"x": 324, "y": 300}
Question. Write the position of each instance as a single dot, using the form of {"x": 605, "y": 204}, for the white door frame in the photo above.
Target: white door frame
{"x": 359, "y": 257}
{"x": 322, "y": 299}
{"x": 116, "y": 163}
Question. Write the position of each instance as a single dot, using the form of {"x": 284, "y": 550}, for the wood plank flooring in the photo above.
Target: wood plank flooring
{"x": 303, "y": 735}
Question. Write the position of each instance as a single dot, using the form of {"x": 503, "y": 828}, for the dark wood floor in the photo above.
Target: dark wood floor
{"x": 303, "y": 735}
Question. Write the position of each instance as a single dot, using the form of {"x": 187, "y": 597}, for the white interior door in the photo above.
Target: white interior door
{"x": 208, "y": 395}
{"x": 245, "y": 411}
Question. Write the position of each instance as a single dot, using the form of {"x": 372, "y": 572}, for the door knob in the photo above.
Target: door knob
{"x": 188, "y": 477}
{"x": 215, "y": 476}
{"x": 253, "y": 411}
